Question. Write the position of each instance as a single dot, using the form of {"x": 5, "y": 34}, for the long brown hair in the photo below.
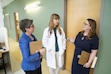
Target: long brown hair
{"x": 51, "y": 24}
{"x": 92, "y": 32}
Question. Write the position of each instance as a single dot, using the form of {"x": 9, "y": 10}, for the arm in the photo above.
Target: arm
{"x": 64, "y": 41}
{"x": 71, "y": 39}
{"x": 91, "y": 58}
{"x": 45, "y": 40}
{"x": 94, "y": 50}
{"x": 24, "y": 46}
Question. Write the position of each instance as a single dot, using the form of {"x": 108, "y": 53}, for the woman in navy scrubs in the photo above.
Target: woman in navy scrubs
{"x": 88, "y": 41}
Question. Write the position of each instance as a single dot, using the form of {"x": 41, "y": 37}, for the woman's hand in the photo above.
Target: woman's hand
{"x": 91, "y": 58}
{"x": 42, "y": 51}
{"x": 71, "y": 39}
{"x": 87, "y": 65}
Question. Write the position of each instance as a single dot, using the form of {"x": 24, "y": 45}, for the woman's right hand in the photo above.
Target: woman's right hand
{"x": 42, "y": 51}
{"x": 71, "y": 39}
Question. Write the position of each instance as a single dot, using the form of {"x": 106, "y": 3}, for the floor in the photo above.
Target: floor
{"x": 8, "y": 69}
{"x": 44, "y": 70}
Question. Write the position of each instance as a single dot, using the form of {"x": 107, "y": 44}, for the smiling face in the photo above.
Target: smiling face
{"x": 30, "y": 29}
{"x": 26, "y": 25}
{"x": 86, "y": 26}
{"x": 55, "y": 21}
{"x": 89, "y": 27}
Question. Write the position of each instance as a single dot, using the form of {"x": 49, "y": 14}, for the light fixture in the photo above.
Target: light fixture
{"x": 32, "y": 6}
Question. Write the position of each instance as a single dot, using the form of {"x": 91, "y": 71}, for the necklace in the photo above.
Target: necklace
{"x": 83, "y": 38}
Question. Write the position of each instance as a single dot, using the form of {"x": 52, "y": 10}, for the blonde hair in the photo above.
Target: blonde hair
{"x": 51, "y": 24}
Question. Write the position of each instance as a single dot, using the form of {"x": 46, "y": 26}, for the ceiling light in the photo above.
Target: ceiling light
{"x": 32, "y": 6}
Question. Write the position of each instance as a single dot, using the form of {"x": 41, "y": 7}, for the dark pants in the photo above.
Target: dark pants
{"x": 37, "y": 71}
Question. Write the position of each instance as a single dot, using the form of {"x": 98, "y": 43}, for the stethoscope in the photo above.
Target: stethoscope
{"x": 48, "y": 34}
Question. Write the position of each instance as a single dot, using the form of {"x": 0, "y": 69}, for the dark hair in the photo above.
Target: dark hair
{"x": 25, "y": 23}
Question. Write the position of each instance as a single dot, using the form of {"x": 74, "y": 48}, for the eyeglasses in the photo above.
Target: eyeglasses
{"x": 32, "y": 26}
{"x": 85, "y": 23}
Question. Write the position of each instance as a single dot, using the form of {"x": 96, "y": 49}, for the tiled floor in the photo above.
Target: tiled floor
{"x": 44, "y": 70}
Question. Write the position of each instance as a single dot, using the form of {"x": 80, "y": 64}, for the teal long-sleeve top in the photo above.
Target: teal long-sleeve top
{"x": 29, "y": 62}
{"x": 56, "y": 42}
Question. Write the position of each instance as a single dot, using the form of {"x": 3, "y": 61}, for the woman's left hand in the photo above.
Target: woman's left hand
{"x": 87, "y": 65}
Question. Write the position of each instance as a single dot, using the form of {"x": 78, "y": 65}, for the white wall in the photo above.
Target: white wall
{"x": 1, "y": 16}
{"x": 4, "y": 37}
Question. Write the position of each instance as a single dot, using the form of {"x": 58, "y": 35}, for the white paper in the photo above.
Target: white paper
{"x": 94, "y": 62}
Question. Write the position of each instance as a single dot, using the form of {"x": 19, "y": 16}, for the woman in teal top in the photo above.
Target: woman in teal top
{"x": 56, "y": 43}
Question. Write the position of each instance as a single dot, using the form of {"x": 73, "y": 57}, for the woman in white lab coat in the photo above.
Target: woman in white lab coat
{"x": 55, "y": 43}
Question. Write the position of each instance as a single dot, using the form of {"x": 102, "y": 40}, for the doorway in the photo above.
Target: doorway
{"x": 17, "y": 29}
{"x": 77, "y": 11}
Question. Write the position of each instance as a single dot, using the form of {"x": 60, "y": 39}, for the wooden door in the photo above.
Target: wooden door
{"x": 77, "y": 12}
{"x": 17, "y": 29}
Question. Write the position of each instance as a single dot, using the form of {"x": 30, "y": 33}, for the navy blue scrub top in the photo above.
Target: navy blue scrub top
{"x": 85, "y": 44}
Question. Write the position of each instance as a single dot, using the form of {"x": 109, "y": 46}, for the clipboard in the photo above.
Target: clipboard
{"x": 84, "y": 57}
{"x": 35, "y": 46}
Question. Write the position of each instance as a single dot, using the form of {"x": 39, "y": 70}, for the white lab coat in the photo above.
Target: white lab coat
{"x": 49, "y": 43}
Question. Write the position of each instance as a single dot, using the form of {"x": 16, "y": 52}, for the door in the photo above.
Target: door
{"x": 77, "y": 12}
{"x": 17, "y": 29}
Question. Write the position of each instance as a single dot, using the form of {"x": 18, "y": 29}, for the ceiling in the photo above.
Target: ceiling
{"x": 5, "y": 2}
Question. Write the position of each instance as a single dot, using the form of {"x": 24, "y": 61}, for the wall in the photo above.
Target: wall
{"x": 104, "y": 62}
{"x": 40, "y": 16}
{"x": 1, "y": 16}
